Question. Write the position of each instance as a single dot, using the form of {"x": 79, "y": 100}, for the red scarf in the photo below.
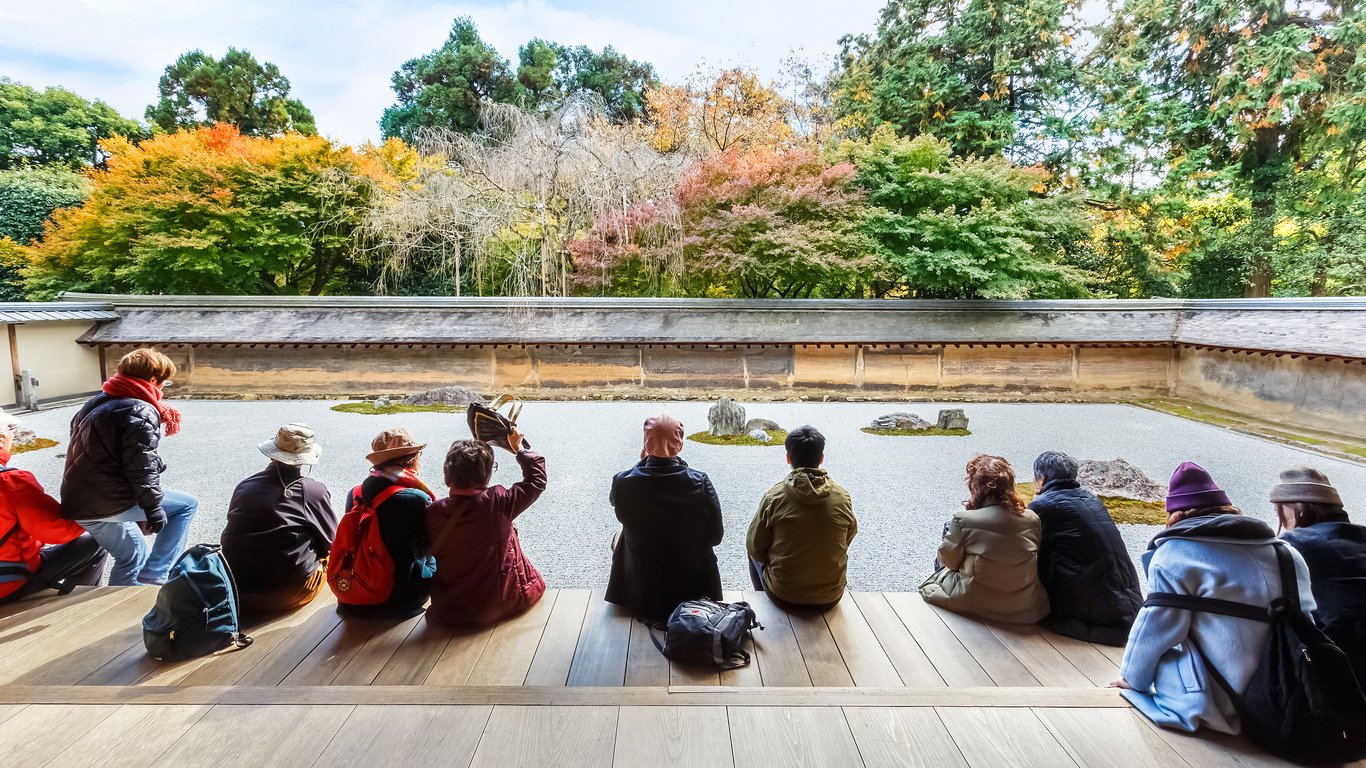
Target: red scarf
{"x": 142, "y": 389}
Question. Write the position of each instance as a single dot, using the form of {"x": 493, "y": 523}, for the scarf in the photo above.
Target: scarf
{"x": 142, "y": 389}
{"x": 5, "y": 456}
{"x": 406, "y": 478}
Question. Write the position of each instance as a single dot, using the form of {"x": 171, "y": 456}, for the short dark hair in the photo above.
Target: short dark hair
{"x": 1313, "y": 512}
{"x": 1055, "y": 465}
{"x": 469, "y": 464}
{"x": 805, "y": 447}
{"x": 398, "y": 464}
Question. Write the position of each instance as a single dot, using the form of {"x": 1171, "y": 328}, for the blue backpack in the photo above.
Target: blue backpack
{"x": 196, "y": 609}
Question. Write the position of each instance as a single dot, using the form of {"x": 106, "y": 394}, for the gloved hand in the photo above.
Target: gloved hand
{"x": 156, "y": 520}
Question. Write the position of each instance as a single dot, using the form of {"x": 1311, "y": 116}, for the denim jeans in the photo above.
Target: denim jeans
{"x": 134, "y": 563}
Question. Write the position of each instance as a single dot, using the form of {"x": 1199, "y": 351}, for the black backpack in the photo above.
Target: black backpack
{"x": 196, "y": 609}
{"x": 1304, "y": 702}
{"x": 707, "y": 632}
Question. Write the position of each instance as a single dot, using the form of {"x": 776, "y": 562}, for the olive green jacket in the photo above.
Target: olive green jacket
{"x": 801, "y": 536}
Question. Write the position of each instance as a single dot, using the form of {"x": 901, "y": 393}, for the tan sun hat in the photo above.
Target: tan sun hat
{"x": 294, "y": 444}
{"x": 392, "y": 444}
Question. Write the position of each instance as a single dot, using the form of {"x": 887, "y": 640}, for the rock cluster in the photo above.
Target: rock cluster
{"x": 763, "y": 425}
{"x": 382, "y": 403}
{"x": 900, "y": 420}
{"x": 727, "y": 417}
{"x": 452, "y": 395}
{"x": 952, "y": 418}
{"x": 1119, "y": 478}
{"x": 760, "y": 435}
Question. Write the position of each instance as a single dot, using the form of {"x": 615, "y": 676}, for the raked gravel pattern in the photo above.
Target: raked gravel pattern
{"x": 904, "y": 488}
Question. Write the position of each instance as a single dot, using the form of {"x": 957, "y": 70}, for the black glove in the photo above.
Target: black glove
{"x": 156, "y": 520}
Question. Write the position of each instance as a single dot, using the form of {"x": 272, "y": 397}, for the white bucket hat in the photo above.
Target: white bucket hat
{"x": 293, "y": 444}
{"x": 9, "y": 420}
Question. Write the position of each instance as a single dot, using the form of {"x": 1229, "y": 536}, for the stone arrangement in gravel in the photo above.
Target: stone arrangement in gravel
{"x": 452, "y": 395}
{"x": 952, "y": 422}
{"x": 1129, "y": 495}
{"x": 26, "y": 440}
{"x": 726, "y": 425}
{"x": 452, "y": 399}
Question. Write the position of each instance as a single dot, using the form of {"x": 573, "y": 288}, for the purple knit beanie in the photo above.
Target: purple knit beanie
{"x": 1193, "y": 488}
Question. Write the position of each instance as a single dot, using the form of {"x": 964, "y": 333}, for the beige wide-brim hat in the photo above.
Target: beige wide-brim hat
{"x": 294, "y": 444}
{"x": 9, "y": 420}
{"x": 392, "y": 444}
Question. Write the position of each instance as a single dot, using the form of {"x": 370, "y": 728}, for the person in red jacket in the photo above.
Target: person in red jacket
{"x": 38, "y": 549}
{"x": 482, "y": 576}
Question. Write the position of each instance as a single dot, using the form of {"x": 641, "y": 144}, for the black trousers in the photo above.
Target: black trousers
{"x": 77, "y": 563}
{"x": 756, "y": 577}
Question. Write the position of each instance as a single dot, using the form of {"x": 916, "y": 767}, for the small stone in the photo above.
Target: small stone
{"x": 451, "y": 395}
{"x": 763, "y": 425}
{"x": 952, "y": 418}
{"x": 727, "y": 417}
{"x": 23, "y": 436}
{"x": 1118, "y": 478}
{"x": 900, "y": 420}
{"x": 761, "y": 436}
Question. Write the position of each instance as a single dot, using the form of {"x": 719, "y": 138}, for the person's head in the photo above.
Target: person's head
{"x": 147, "y": 363}
{"x": 805, "y": 448}
{"x": 991, "y": 481}
{"x": 1192, "y": 492}
{"x": 294, "y": 445}
{"x": 1305, "y": 497}
{"x": 8, "y": 425}
{"x": 663, "y": 437}
{"x": 1053, "y": 465}
{"x": 469, "y": 464}
{"x": 395, "y": 450}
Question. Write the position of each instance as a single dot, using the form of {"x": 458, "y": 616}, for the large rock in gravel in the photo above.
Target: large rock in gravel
{"x": 1119, "y": 478}
{"x": 952, "y": 418}
{"x": 761, "y": 436}
{"x": 764, "y": 425}
{"x": 453, "y": 395}
{"x": 727, "y": 417}
{"x": 900, "y": 421}
{"x": 24, "y": 436}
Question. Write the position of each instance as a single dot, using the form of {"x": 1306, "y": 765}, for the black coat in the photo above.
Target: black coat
{"x": 1336, "y": 556}
{"x": 1092, "y": 585}
{"x": 280, "y": 524}
{"x": 670, "y": 518}
{"x": 112, "y": 463}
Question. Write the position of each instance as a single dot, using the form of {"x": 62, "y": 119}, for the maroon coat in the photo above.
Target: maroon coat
{"x": 482, "y": 576}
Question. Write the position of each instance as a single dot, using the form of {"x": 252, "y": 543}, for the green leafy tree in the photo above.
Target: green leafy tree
{"x": 538, "y": 60}
{"x": 967, "y": 228}
{"x": 200, "y": 90}
{"x": 55, "y": 127}
{"x": 27, "y": 198}
{"x": 621, "y": 81}
{"x": 446, "y": 88}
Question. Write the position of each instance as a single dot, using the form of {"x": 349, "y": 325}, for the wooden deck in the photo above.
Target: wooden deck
{"x": 881, "y": 680}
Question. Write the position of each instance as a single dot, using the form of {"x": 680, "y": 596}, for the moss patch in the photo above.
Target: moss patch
{"x": 706, "y": 438}
{"x": 368, "y": 408}
{"x": 1334, "y": 445}
{"x": 1123, "y": 511}
{"x": 36, "y": 445}
{"x": 931, "y": 432}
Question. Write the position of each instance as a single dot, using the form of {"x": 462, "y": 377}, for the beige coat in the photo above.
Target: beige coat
{"x": 991, "y": 567}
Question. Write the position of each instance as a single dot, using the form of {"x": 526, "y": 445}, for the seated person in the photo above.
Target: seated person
{"x": 989, "y": 556}
{"x": 1207, "y": 550}
{"x": 1092, "y": 585}
{"x": 280, "y": 527}
{"x": 395, "y": 457}
{"x": 1316, "y": 525}
{"x": 38, "y": 549}
{"x": 670, "y": 520}
{"x": 799, "y": 539}
{"x": 482, "y": 575}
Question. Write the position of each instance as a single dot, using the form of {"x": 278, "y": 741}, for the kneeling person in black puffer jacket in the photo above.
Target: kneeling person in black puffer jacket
{"x": 1091, "y": 581}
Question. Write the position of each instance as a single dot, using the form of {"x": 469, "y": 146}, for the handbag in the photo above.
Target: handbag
{"x": 487, "y": 424}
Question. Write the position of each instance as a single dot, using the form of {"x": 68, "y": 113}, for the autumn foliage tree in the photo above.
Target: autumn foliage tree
{"x": 714, "y": 112}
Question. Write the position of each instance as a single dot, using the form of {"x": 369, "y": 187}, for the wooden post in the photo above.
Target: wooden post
{"x": 14, "y": 360}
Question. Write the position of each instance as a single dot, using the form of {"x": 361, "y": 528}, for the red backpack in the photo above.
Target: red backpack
{"x": 360, "y": 570}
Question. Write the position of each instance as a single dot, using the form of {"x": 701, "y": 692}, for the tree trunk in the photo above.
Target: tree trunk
{"x": 1263, "y": 167}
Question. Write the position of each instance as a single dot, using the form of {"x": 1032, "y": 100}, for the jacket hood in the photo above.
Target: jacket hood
{"x": 807, "y": 485}
{"x": 1230, "y": 528}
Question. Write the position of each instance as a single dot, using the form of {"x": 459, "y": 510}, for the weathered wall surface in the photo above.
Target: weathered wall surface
{"x": 1328, "y": 394}
{"x": 64, "y": 369}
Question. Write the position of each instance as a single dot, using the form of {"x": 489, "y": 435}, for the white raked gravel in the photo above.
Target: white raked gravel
{"x": 903, "y": 488}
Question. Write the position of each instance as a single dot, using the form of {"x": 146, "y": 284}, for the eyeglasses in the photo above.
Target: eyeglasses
{"x": 495, "y": 467}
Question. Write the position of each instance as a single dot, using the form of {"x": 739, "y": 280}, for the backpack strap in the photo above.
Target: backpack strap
{"x": 1207, "y": 605}
{"x": 9, "y": 533}
{"x": 1290, "y": 583}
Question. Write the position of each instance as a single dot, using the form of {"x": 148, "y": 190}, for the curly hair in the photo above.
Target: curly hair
{"x": 992, "y": 481}
{"x": 469, "y": 464}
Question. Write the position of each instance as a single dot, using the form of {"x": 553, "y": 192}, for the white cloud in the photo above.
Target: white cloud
{"x": 339, "y": 56}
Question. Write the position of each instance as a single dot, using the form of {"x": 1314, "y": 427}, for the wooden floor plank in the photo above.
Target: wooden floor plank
{"x": 994, "y": 657}
{"x": 40, "y": 732}
{"x": 512, "y": 647}
{"x": 275, "y": 666}
{"x": 366, "y": 664}
{"x": 991, "y": 737}
{"x": 792, "y": 736}
{"x": 1115, "y": 655}
{"x": 823, "y": 660}
{"x": 274, "y": 735}
{"x": 331, "y": 655}
{"x": 780, "y": 657}
{"x": 1210, "y": 749}
{"x": 28, "y": 645}
{"x": 458, "y": 660}
{"x": 555, "y": 654}
{"x": 228, "y": 668}
{"x": 912, "y": 664}
{"x": 863, "y": 654}
{"x": 645, "y": 665}
{"x": 26, "y": 612}
{"x": 1108, "y": 737}
{"x": 693, "y": 674}
{"x": 903, "y": 736}
{"x": 131, "y": 736}
{"x": 1043, "y": 661}
{"x": 406, "y": 736}
{"x": 604, "y": 641}
{"x": 749, "y": 675}
{"x": 9, "y": 710}
{"x": 529, "y": 737}
{"x": 1087, "y": 658}
{"x": 101, "y": 634}
{"x": 685, "y": 737}
{"x": 412, "y": 663}
{"x": 950, "y": 658}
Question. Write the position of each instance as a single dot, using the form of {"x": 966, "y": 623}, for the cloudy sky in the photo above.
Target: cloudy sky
{"x": 340, "y": 54}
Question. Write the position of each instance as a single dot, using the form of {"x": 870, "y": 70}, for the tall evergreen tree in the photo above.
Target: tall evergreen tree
{"x": 446, "y": 88}
{"x": 237, "y": 89}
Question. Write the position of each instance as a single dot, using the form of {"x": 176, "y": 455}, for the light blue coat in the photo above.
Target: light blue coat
{"x": 1173, "y": 687}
